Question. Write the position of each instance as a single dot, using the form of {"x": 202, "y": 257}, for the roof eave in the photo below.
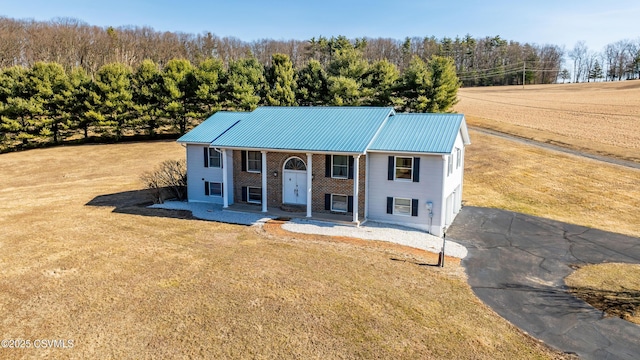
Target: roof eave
{"x": 327, "y": 152}
{"x": 466, "y": 140}
{"x": 407, "y": 152}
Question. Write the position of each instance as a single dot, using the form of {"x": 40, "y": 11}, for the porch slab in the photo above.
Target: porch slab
{"x": 320, "y": 224}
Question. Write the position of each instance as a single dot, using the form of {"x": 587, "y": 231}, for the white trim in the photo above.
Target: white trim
{"x": 443, "y": 197}
{"x": 247, "y": 163}
{"x": 404, "y": 153}
{"x": 366, "y": 188}
{"x": 340, "y": 177}
{"x": 225, "y": 182}
{"x": 293, "y": 157}
{"x": 221, "y": 189}
{"x": 309, "y": 182}
{"x": 393, "y": 210}
{"x": 356, "y": 186}
{"x": 293, "y": 171}
{"x": 323, "y": 152}
{"x": 263, "y": 161}
{"x": 346, "y": 203}
{"x": 395, "y": 168}
{"x": 249, "y": 200}
{"x": 209, "y": 159}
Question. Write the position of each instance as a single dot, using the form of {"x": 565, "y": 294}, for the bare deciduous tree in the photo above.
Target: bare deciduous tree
{"x": 168, "y": 180}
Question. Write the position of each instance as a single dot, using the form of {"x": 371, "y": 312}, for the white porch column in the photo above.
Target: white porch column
{"x": 309, "y": 178}
{"x": 264, "y": 181}
{"x": 225, "y": 180}
{"x": 356, "y": 167}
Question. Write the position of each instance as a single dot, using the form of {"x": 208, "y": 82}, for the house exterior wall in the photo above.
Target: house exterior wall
{"x": 321, "y": 184}
{"x": 228, "y": 167}
{"x": 198, "y": 174}
{"x": 429, "y": 188}
{"x": 243, "y": 178}
{"x": 452, "y": 193}
{"x": 327, "y": 185}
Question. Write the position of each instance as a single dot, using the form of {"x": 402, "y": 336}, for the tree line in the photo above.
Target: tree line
{"x": 617, "y": 61}
{"x": 70, "y": 42}
{"x": 46, "y": 103}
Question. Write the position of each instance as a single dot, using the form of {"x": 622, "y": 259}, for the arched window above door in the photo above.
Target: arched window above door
{"x": 295, "y": 163}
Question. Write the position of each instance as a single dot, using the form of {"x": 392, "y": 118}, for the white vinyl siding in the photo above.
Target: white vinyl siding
{"x": 198, "y": 175}
{"x": 429, "y": 188}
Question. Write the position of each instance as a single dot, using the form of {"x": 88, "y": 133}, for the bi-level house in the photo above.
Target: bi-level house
{"x": 365, "y": 163}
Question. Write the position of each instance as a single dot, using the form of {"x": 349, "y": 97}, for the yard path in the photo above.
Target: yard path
{"x": 517, "y": 264}
{"x": 548, "y": 146}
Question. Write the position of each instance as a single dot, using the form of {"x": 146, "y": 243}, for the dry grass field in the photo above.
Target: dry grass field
{"x": 611, "y": 287}
{"x": 80, "y": 260}
{"x": 513, "y": 176}
{"x": 602, "y": 118}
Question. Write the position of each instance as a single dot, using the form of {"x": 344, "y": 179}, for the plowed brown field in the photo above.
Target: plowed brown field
{"x": 602, "y": 118}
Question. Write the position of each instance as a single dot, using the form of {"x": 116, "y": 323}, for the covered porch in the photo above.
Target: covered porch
{"x": 293, "y": 212}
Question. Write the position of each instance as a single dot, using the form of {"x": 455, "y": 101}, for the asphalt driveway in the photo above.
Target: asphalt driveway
{"x": 517, "y": 263}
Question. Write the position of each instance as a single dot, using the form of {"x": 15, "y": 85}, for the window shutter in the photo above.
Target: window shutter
{"x": 206, "y": 188}
{"x": 327, "y": 166}
{"x": 243, "y": 155}
{"x": 389, "y": 205}
{"x": 244, "y": 193}
{"x": 327, "y": 201}
{"x": 350, "y": 176}
{"x": 222, "y": 189}
{"x": 221, "y": 160}
{"x": 416, "y": 169}
{"x": 206, "y": 157}
{"x": 414, "y": 207}
{"x": 390, "y": 169}
{"x": 350, "y": 204}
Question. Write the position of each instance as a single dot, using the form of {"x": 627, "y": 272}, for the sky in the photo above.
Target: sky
{"x": 557, "y": 22}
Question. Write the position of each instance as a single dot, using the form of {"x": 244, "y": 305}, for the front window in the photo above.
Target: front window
{"x": 339, "y": 203}
{"x": 254, "y": 195}
{"x": 254, "y": 161}
{"x": 340, "y": 168}
{"x": 402, "y": 206}
{"x": 458, "y": 158}
{"x": 215, "y": 158}
{"x": 215, "y": 189}
{"x": 404, "y": 168}
{"x": 450, "y": 165}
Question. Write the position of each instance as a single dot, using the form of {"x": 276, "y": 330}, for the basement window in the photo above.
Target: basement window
{"x": 254, "y": 195}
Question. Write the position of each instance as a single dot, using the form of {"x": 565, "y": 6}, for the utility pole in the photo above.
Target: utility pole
{"x": 524, "y": 70}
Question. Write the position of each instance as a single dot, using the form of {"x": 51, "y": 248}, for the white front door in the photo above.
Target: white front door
{"x": 295, "y": 187}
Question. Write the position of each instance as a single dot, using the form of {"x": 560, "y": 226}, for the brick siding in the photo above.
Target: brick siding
{"x": 321, "y": 185}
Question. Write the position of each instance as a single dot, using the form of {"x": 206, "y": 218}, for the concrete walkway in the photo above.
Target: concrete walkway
{"x": 517, "y": 264}
{"x": 215, "y": 213}
{"x": 368, "y": 231}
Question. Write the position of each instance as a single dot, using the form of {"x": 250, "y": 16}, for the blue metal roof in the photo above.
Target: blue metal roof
{"x": 430, "y": 133}
{"x": 331, "y": 129}
{"x": 213, "y": 127}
